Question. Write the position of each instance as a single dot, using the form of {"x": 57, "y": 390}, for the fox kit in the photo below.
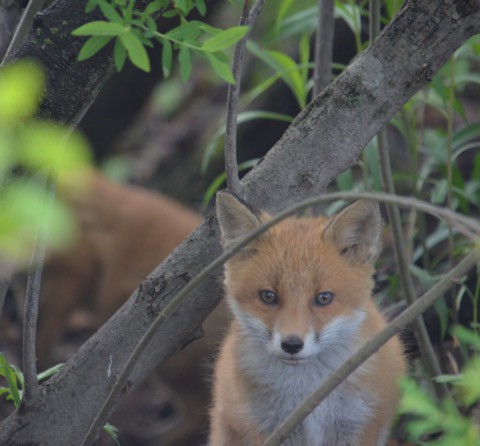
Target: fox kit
{"x": 301, "y": 300}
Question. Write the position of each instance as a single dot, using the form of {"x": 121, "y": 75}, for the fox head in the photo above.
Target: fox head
{"x": 304, "y": 286}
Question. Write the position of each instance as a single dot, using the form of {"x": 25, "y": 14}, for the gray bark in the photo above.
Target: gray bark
{"x": 322, "y": 74}
{"x": 10, "y": 11}
{"x": 325, "y": 139}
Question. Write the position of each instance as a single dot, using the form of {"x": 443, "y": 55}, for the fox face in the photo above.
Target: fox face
{"x": 302, "y": 289}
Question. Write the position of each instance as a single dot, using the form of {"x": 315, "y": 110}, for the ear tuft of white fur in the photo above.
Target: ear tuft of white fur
{"x": 356, "y": 231}
{"x": 236, "y": 219}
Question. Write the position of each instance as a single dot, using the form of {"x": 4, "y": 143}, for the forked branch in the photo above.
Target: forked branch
{"x": 231, "y": 164}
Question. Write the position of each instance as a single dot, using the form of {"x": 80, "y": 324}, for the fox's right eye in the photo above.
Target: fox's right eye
{"x": 268, "y": 297}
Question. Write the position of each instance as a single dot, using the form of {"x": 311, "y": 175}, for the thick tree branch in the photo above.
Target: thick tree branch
{"x": 325, "y": 139}
{"x": 24, "y": 26}
{"x": 10, "y": 12}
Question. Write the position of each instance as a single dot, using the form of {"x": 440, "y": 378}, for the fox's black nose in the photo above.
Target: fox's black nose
{"x": 292, "y": 345}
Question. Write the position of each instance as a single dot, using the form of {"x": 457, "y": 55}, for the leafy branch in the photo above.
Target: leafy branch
{"x": 133, "y": 30}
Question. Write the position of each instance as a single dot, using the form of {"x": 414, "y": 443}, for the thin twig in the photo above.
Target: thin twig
{"x": 374, "y": 23}
{"x": 6, "y": 273}
{"x": 23, "y": 27}
{"x": 472, "y": 227}
{"x": 322, "y": 74}
{"x": 423, "y": 340}
{"x": 231, "y": 163}
{"x": 427, "y": 352}
{"x": 450, "y": 117}
{"x": 31, "y": 303}
{"x": 20, "y": 32}
{"x": 372, "y": 346}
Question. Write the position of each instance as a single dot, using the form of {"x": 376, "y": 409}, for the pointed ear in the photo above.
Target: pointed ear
{"x": 236, "y": 218}
{"x": 356, "y": 231}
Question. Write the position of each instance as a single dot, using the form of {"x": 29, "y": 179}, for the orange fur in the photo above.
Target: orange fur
{"x": 259, "y": 379}
{"x": 123, "y": 233}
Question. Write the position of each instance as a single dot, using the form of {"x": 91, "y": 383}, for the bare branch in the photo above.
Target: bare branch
{"x": 6, "y": 272}
{"x": 424, "y": 343}
{"x": 34, "y": 280}
{"x": 323, "y": 46}
{"x": 231, "y": 163}
{"x": 372, "y": 346}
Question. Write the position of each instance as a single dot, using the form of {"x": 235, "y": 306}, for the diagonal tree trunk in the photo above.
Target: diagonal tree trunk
{"x": 10, "y": 12}
{"x": 325, "y": 139}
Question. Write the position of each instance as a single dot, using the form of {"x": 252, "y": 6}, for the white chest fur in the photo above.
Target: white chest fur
{"x": 279, "y": 388}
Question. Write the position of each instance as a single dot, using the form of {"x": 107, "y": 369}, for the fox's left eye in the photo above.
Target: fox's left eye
{"x": 268, "y": 297}
{"x": 323, "y": 298}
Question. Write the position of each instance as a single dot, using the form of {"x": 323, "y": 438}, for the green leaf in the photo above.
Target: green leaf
{"x": 439, "y": 193}
{"x": 345, "y": 180}
{"x": 425, "y": 278}
{"x": 446, "y": 378}
{"x": 92, "y": 46}
{"x": 170, "y": 14}
{"x": 441, "y": 309}
{"x": 109, "y": 12}
{"x": 185, "y": 61}
{"x": 201, "y": 7}
{"x": 208, "y": 29}
{"x": 152, "y": 27}
{"x": 136, "y": 51}
{"x": 119, "y": 54}
{"x": 300, "y": 22}
{"x": 112, "y": 432}
{"x": 24, "y": 206}
{"x": 220, "y": 179}
{"x": 183, "y": 5}
{"x": 465, "y": 134}
{"x": 467, "y": 337}
{"x": 224, "y": 39}
{"x": 167, "y": 56}
{"x": 7, "y": 371}
{"x": 91, "y": 5}
{"x": 49, "y": 372}
{"x": 21, "y": 85}
{"x": 241, "y": 118}
{"x": 154, "y": 6}
{"x": 185, "y": 31}
{"x": 213, "y": 188}
{"x": 373, "y": 161}
{"x": 415, "y": 401}
{"x": 282, "y": 63}
{"x": 221, "y": 68}
{"x": 304, "y": 50}
{"x": 44, "y": 145}
{"x": 350, "y": 13}
{"x": 100, "y": 28}
{"x": 470, "y": 381}
{"x": 283, "y": 8}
